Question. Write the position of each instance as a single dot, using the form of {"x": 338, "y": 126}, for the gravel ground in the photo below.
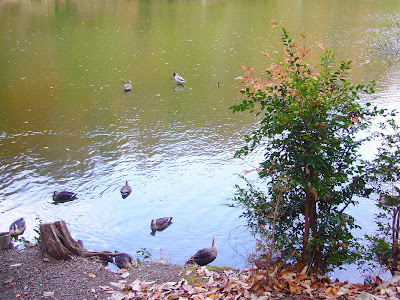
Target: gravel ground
{"x": 26, "y": 274}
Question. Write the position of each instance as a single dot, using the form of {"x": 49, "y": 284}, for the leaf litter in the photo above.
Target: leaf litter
{"x": 252, "y": 283}
{"x": 27, "y": 275}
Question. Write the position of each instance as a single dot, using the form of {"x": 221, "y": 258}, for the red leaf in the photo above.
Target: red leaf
{"x": 377, "y": 279}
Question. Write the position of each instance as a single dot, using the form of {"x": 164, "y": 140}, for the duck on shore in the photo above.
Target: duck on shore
{"x": 160, "y": 224}
{"x": 17, "y": 227}
{"x": 124, "y": 261}
{"x": 205, "y": 256}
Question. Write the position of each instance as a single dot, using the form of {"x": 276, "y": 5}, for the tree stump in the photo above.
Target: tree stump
{"x": 5, "y": 240}
{"x": 56, "y": 241}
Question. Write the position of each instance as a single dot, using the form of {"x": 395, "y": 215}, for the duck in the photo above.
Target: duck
{"x": 179, "y": 79}
{"x": 124, "y": 261}
{"x": 205, "y": 256}
{"x": 17, "y": 227}
{"x": 390, "y": 199}
{"x": 160, "y": 224}
{"x": 126, "y": 190}
{"x": 128, "y": 86}
{"x": 64, "y": 196}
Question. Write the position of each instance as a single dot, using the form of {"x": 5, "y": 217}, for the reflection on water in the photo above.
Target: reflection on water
{"x": 67, "y": 124}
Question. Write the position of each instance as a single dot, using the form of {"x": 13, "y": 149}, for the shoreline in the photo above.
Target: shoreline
{"x": 27, "y": 274}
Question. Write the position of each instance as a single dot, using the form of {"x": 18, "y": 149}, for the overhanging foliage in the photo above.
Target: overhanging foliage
{"x": 310, "y": 120}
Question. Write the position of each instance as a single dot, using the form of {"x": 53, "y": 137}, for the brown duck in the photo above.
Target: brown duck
{"x": 160, "y": 224}
{"x": 17, "y": 227}
{"x": 124, "y": 261}
{"x": 63, "y": 196}
{"x": 205, "y": 256}
{"x": 126, "y": 190}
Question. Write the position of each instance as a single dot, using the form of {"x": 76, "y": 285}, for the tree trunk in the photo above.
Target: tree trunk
{"x": 307, "y": 225}
{"x": 310, "y": 227}
{"x": 395, "y": 242}
{"x": 5, "y": 240}
{"x": 56, "y": 241}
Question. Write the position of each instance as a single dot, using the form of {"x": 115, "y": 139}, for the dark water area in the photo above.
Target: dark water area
{"x": 67, "y": 124}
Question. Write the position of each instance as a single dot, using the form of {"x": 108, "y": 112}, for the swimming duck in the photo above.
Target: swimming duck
{"x": 179, "y": 79}
{"x": 206, "y": 255}
{"x": 126, "y": 190}
{"x": 63, "y": 196}
{"x": 128, "y": 86}
{"x": 390, "y": 199}
{"x": 17, "y": 227}
{"x": 160, "y": 224}
{"x": 124, "y": 261}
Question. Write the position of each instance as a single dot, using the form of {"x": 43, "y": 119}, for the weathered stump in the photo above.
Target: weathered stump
{"x": 5, "y": 240}
{"x": 56, "y": 241}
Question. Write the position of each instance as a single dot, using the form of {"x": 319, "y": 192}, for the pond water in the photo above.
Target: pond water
{"x": 66, "y": 122}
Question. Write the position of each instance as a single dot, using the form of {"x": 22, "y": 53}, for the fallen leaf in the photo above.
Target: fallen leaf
{"x": 48, "y": 294}
{"x": 173, "y": 297}
{"x": 199, "y": 289}
{"x": 19, "y": 294}
{"x": 92, "y": 275}
{"x": 335, "y": 291}
{"x": 211, "y": 280}
{"x": 246, "y": 294}
{"x": 156, "y": 295}
{"x": 292, "y": 288}
{"x": 15, "y": 265}
{"x": 328, "y": 290}
{"x": 118, "y": 296}
{"x": 118, "y": 285}
{"x": 301, "y": 276}
{"x": 125, "y": 275}
{"x": 188, "y": 289}
{"x": 377, "y": 279}
{"x": 111, "y": 292}
{"x": 135, "y": 286}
